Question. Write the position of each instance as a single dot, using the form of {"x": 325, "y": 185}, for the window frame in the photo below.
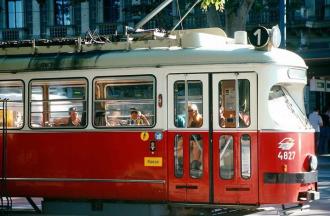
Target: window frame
{"x": 125, "y": 77}
{"x": 252, "y": 76}
{"x": 186, "y": 99}
{"x": 8, "y": 14}
{"x": 23, "y": 101}
{"x": 238, "y": 121}
{"x": 60, "y": 127}
{"x": 171, "y": 79}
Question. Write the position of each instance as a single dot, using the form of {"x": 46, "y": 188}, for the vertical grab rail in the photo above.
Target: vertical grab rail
{"x": 4, "y": 192}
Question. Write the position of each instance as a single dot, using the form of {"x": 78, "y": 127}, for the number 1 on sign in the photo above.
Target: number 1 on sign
{"x": 258, "y": 34}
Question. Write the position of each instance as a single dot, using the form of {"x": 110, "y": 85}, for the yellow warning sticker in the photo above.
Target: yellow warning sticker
{"x": 153, "y": 161}
{"x": 144, "y": 136}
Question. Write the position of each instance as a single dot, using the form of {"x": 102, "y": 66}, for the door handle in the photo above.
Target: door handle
{"x": 186, "y": 186}
{"x": 192, "y": 187}
{"x": 180, "y": 186}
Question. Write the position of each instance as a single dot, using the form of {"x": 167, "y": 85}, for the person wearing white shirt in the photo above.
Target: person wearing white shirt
{"x": 316, "y": 121}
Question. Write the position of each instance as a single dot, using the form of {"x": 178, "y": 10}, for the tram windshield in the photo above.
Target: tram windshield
{"x": 284, "y": 110}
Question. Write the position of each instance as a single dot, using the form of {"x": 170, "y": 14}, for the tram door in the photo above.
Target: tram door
{"x": 188, "y": 138}
{"x": 235, "y": 144}
{"x": 216, "y": 164}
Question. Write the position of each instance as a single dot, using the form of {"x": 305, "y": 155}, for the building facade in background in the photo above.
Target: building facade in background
{"x": 307, "y": 26}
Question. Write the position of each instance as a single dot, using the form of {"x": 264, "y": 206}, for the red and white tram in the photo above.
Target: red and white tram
{"x": 253, "y": 144}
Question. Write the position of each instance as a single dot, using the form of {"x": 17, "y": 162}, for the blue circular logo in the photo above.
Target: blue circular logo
{"x": 158, "y": 136}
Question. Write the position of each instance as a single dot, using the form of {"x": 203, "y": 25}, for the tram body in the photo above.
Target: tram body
{"x": 264, "y": 160}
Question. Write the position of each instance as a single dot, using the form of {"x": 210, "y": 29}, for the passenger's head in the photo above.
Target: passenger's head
{"x": 134, "y": 113}
{"x": 316, "y": 109}
{"x": 192, "y": 109}
{"x": 73, "y": 112}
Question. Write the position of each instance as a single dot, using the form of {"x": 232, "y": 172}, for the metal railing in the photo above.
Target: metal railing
{"x": 11, "y": 34}
{"x": 5, "y": 201}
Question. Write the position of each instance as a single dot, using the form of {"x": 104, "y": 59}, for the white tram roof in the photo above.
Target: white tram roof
{"x": 190, "y": 47}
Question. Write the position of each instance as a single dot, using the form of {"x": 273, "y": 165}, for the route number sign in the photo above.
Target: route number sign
{"x": 259, "y": 37}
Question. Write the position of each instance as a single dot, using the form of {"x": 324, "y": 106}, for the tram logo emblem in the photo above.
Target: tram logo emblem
{"x": 286, "y": 144}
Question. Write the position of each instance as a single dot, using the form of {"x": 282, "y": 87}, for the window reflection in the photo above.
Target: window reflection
{"x": 63, "y": 12}
{"x": 245, "y": 156}
{"x": 283, "y": 106}
{"x": 226, "y": 147}
{"x": 244, "y": 102}
{"x": 196, "y": 156}
{"x": 178, "y": 156}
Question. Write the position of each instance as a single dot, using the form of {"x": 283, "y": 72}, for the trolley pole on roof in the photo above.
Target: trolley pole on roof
{"x": 283, "y": 23}
{"x": 153, "y": 13}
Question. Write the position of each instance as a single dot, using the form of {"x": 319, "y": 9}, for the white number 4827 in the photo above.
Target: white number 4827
{"x": 286, "y": 155}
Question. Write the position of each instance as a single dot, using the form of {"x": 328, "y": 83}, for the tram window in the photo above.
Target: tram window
{"x": 245, "y": 156}
{"x": 13, "y": 91}
{"x": 178, "y": 156}
{"x": 58, "y": 103}
{"x": 226, "y": 146}
{"x": 196, "y": 156}
{"x": 124, "y": 101}
{"x": 283, "y": 107}
{"x": 234, "y": 109}
{"x": 188, "y": 107}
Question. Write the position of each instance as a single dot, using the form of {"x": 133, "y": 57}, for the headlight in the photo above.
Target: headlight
{"x": 312, "y": 162}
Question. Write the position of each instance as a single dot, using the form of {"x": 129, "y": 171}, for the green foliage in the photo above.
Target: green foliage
{"x": 218, "y": 4}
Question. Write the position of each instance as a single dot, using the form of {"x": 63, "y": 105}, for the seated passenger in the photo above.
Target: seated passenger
{"x": 73, "y": 120}
{"x": 180, "y": 121}
{"x": 195, "y": 119}
{"x": 113, "y": 118}
{"x": 137, "y": 118}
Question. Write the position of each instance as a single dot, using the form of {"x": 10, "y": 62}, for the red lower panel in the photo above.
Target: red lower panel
{"x": 112, "y": 165}
{"x": 86, "y": 190}
{"x": 67, "y": 165}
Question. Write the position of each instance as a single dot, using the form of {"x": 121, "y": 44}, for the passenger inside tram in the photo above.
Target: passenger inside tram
{"x": 113, "y": 118}
{"x": 195, "y": 119}
{"x": 72, "y": 121}
{"x": 244, "y": 119}
{"x": 137, "y": 118}
{"x": 180, "y": 121}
